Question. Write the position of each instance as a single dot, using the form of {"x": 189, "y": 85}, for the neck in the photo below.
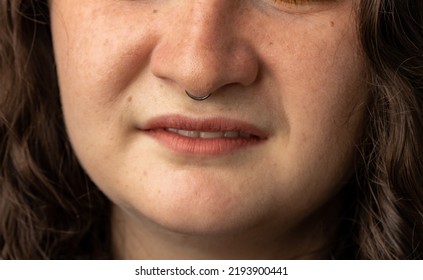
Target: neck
{"x": 139, "y": 238}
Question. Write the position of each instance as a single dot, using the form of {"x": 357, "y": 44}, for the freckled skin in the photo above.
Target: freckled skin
{"x": 287, "y": 71}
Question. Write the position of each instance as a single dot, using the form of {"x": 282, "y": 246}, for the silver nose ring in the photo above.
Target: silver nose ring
{"x": 197, "y": 98}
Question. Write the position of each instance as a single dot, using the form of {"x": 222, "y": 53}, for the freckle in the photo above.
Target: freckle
{"x": 270, "y": 43}
{"x": 129, "y": 99}
{"x": 332, "y": 23}
{"x": 155, "y": 11}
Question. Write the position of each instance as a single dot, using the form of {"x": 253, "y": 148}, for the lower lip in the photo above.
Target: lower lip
{"x": 200, "y": 146}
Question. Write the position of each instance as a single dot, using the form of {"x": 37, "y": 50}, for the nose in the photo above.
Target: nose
{"x": 201, "y": 49}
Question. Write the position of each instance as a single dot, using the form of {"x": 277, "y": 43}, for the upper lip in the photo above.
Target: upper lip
{"x": 215, "y": 124}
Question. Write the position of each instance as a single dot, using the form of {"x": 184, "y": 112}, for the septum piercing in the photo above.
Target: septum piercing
{"x": 197, "y": 98}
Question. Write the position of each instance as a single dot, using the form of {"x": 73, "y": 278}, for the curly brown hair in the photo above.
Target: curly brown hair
{"x": 49, "y": 208}
{"x": 389, "y": 214}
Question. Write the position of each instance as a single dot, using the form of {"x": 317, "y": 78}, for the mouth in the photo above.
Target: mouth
{"x": 215, "y": 136}
{"x": 209, "y": 134}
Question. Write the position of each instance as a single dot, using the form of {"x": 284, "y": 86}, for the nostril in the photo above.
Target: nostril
{"x": 205, "y": 57}
{"x": 202, "y": 72}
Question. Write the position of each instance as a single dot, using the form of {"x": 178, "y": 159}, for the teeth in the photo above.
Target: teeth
{"x": 209, "y": 135}
{"x": 187, "y": 133}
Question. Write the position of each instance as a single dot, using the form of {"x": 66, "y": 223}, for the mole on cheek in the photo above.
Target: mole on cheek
{"x": 332, "y": 23}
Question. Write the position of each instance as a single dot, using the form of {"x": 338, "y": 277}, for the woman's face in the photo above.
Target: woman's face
{"x": 272, "y": 145}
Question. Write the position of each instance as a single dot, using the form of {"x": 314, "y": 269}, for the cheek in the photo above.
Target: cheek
{"x": 321, "y": 78}
{"x": 322, "y": 94}
{"x": 97, "y": 58}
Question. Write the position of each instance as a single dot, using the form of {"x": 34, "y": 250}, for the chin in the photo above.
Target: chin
{"x": 200, "y": 223}
{"x": 210, "y": 221}
{"x": 196, "y": 209}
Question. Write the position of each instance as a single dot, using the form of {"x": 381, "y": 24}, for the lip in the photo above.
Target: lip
{"x": 158, "y": 128}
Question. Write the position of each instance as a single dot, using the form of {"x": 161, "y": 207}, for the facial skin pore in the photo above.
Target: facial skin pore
{"x": 293, "y": 71}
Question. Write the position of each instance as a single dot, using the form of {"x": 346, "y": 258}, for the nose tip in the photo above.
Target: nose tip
{"x": 202, "y": 56}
